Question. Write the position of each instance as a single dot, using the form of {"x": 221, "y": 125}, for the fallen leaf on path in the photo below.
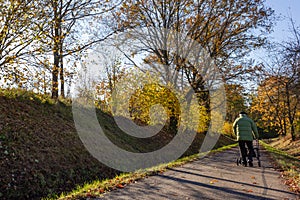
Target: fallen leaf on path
{"x": 252, "y": 177}
{"x": 213, "y": 181}
{"x": 247, "y": 190}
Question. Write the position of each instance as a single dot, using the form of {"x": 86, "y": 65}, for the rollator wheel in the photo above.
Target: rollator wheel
{"x": 238, "y": 161}
{"x": 259, "y": 164}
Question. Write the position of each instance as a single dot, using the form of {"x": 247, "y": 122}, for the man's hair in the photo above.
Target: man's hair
{"x": 243, "y": 113}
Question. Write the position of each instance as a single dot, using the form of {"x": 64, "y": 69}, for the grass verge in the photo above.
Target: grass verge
{"x": 98, "y": 187}
{"x": 288, "y": 165}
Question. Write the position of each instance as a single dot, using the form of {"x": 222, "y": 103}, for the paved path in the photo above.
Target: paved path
{"x": 214, "y": 177}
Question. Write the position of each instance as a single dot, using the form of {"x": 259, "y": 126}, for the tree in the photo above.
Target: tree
{"x": 291, "y": 52}
{"x": 19, "y": 28}
{"x": 268, "y": 106}
{"x": 68, "y": 31}
{"x": 235, "y": 101}
{"x": 279, "y": 86}
{"x": 223, "y": 28}
{"x": 113, "y": 71}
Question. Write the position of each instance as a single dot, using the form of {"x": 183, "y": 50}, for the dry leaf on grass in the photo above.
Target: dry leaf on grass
{"x": 120, "y": 186}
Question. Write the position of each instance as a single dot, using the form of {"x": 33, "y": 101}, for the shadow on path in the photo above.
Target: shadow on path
{"x": 223, "y": 189}
{"x": 215, "y": 177}
{"x": 265, "y": 187}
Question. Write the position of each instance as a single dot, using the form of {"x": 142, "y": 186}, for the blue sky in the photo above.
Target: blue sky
{"x": 285, "y": 8}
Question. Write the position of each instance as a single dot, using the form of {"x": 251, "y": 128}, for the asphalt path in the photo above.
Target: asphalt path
{"x": 215, "y": 177}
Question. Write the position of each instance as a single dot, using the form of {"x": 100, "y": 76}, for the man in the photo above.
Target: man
{"x": 245, "y": 130}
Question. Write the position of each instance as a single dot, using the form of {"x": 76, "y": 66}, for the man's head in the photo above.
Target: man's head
{"x": 243, "y": 113}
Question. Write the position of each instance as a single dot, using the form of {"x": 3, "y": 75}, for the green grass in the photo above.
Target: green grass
{"x": 97, "y": 187}
{"x": 26, "y": 95}
{"x": 289, "y": 165}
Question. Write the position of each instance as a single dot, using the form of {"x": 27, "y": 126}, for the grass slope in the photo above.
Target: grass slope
{"x": 287, "y": 164}
{"x": 41, "y": 153}
{"x": 287, "y": 145}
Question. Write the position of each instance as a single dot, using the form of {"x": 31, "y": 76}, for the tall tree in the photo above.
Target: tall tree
{"x": 269, "y": 107}
{"x": 291, "y": 60}
{"x": 280, "y": 82}
{"x": 19, "y": 27}
{"x": 225, "y": 29}
{"x": 69, "y": 30}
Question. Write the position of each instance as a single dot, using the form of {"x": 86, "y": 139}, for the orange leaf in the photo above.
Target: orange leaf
{"x": 247, "y": 190}
{"x": 213, "y": 181}
{"x": 101, "y": 190}
{"x": 120, "y": 186}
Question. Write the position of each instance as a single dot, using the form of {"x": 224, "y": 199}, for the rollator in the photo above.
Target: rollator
{"x": 255, "y": 155}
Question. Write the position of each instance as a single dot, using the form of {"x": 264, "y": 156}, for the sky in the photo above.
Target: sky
{"x": 285, "y": 8}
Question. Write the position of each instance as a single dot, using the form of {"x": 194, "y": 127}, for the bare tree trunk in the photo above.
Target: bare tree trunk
{"x": 284, "y": 126}
{"x": 290, "y": 115}
{"x": 44, "y": 84}
{"x": 61, "y": 73}
{"x": 55, "y": 77}
{"x": 55, "y": 70}
{"x": 293, "y": 132}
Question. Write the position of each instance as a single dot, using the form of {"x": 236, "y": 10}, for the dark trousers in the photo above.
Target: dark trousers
{"x": 246, "y": 152}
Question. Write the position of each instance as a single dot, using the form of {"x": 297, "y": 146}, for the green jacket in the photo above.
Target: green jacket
{"x": 244, "y": 128}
